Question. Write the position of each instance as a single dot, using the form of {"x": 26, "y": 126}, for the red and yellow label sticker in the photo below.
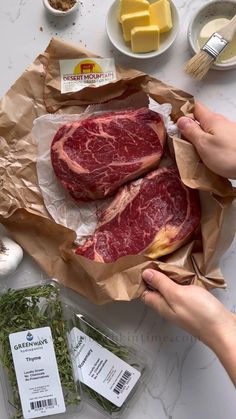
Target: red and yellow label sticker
{"x": 87, "y": 66}
{"x": 86, "y": 72}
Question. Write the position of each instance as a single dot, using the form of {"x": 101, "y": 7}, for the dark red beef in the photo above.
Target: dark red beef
{"x": 93, "y": 157}
{"x": 152, "y": 216}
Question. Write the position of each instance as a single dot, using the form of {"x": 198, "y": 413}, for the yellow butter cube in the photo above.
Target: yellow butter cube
{"x": 160, "y": 15}
{"x": 145, "y": 38}
{"x": 130, "y": 20}
{"x": 132, "y": 6}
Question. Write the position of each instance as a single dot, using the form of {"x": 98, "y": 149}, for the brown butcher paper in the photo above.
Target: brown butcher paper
{"x": 22, "y": 209}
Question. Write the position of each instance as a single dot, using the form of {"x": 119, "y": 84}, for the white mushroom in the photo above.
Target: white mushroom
{"x": 11, "y": 255}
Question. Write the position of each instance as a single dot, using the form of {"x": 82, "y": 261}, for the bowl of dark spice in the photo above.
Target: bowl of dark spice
{"x": 61, "y": 7}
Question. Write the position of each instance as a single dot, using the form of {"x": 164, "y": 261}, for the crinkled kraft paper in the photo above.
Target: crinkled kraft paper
{"x": 22, "y": 209}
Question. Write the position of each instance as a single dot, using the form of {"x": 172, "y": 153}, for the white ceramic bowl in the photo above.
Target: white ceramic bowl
{"x": 56, "y": 12}
{"x": 211, "y": 10}
{"x": 114, "y": 32}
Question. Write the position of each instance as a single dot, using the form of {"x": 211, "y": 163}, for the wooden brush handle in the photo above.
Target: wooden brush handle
{"x": 229, "y": 30}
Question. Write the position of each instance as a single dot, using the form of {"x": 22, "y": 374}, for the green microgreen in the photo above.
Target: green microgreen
{"x": 31, "y": 308}
{"x": 102, "y": 339}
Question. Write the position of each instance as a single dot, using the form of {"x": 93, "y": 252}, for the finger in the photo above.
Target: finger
{"x": 207, "y": 119}
{"x": 160, "y": 282}
{"x": 203, "y": 115}
{"x": 157, "y": 302}
{"x": 192, "y": 131}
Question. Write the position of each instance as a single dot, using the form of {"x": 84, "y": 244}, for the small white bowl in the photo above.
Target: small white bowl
{"x": 212, "y": 10}
{"x": 56, "y": 12}
{"x": 114, "y": 32}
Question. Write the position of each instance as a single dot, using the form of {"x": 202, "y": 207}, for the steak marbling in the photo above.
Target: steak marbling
{"x": 93, "y": 157}
{"x": 152, "y": 216}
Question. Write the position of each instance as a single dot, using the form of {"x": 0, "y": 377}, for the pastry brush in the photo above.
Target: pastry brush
{"x": 200, "y": 64}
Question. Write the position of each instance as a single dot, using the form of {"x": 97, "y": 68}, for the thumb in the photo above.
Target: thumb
{"x": 160, "y": 282}
{"x": 191, "y": 130}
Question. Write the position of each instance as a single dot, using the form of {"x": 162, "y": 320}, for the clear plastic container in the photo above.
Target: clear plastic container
{"x": 111, "y": 375}
{"x": 37, "y": 374}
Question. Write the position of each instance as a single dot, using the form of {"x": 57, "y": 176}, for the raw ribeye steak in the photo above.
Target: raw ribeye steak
{"x": 95, "y": 156}
{"x": 151, "y": 216}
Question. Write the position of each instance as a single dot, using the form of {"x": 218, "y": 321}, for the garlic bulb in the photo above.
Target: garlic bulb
{"x": 11, "y": 255}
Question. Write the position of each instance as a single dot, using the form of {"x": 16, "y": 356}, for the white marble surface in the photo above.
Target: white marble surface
{"x": 188, "y": 381}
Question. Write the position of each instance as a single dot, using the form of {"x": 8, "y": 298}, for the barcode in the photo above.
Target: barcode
{"x": 39, "y": 404}
{"x": 119, "y": 386}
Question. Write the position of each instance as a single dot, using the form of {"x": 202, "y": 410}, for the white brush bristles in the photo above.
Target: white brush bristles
{"x": 199, "y": 65}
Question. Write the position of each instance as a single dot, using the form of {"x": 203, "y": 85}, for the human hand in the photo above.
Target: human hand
{"x": 214, "y": 138}
{"x": 190, "y": 307}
